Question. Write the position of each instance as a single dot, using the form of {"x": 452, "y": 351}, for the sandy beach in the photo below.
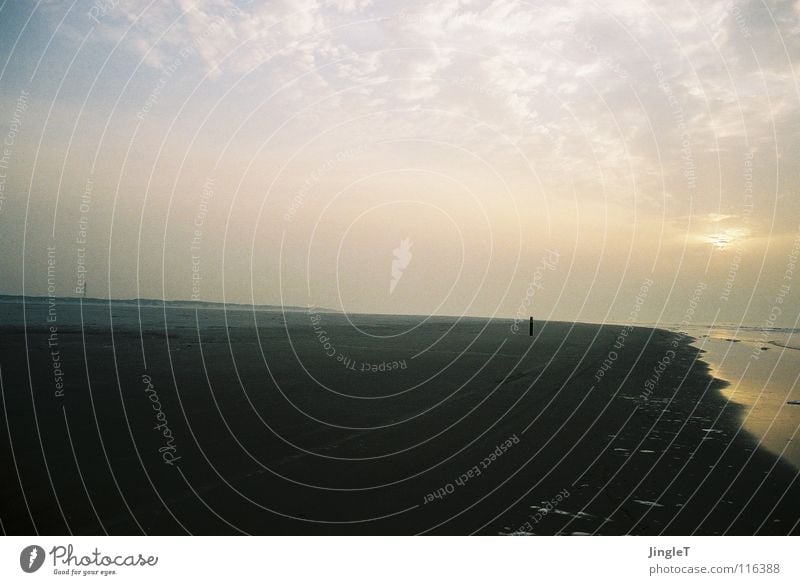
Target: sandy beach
{"x": 174, "y": 419}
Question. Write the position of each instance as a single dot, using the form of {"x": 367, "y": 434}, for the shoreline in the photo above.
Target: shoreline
{"x": 763, "y": 380}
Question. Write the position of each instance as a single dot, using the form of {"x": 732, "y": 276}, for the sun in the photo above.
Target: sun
{"x": 725, "y": 239}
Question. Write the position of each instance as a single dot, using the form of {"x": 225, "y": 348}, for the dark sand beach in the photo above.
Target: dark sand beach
{"x": 314, "y": 422}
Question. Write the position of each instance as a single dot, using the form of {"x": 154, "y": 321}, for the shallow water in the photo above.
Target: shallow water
{"x": 762, "y": 368}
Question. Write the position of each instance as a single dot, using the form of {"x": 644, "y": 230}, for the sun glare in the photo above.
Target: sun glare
{"x": 724, "y": 240}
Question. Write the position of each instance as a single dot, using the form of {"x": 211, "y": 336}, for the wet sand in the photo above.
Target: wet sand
{"x": 310, "y": 423}
{"x": 762, "y": 369}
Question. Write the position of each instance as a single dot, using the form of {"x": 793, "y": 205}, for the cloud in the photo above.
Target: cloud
{"x": 634, "y": 98}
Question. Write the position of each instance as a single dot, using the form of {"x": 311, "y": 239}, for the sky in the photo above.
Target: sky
{"x": 623, "y": 161}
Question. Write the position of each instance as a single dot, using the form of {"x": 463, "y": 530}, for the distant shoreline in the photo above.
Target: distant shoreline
{"x": 144, "y": 302}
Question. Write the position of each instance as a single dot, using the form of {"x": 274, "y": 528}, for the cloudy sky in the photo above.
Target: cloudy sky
{"x": 451, "y": 157}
